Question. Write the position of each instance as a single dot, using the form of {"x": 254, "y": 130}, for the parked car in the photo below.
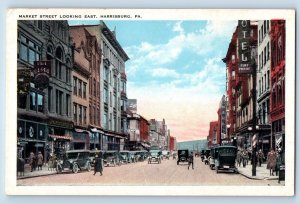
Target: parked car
{"x": 166, "y": 154}
{"x": 124, "y": 156}
{"x": 225, "y": 157}
{"x": 74, "y": 160}
{"x": 183, "y": 155}
{"x": 154, "y": 156}
{"x": 132, "y": 158}
{"x": 111, "y": 157}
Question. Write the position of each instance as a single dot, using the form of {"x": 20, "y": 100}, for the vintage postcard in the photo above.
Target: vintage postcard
{"x": 150, "y": 102}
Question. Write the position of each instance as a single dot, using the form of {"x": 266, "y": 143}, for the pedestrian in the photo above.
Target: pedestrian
{"x": 98, "y": 166}
{"x": 260, "y": 157}
{"x": 32, "y": 161}
{"x": 239, "y": 158}
{"x": 191, "y": 160}
{"x": 271, "y": 161}
{"x": 244, "y": 158}
{"x": 40, "y": 161}
{"x": 278, "y": 161}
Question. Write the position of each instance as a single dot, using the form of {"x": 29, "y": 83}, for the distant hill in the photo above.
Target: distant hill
{"x": 195, "y": 145}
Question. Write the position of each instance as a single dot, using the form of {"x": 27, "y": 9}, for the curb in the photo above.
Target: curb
{"x": 256, "y": 178}
{"x": 26, "y": 177}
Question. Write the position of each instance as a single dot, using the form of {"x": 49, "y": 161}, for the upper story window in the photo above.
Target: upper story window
{"x": 28, "y": 50}
{"x": 59, "y": 63}
{"x": 74, "y": 85}
{"x": 36, "y": 101}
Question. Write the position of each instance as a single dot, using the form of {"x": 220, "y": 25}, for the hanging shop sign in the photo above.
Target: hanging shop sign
{"x": 244, "y": 49}
{"x": 41, "y": 73}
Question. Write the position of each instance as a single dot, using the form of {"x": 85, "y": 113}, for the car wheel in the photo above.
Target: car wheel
{"x": 75, "y": 168}
{"x": 89, "y": 167}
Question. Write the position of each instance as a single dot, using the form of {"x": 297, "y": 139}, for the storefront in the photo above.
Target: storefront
{"x": 31, "y": 137}
{"x": 80, "y": 139}
{"x": 59, "y": 144}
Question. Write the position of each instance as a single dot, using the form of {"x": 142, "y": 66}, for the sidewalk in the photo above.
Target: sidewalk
{"x": 36, "y": 173}
{"x": 262, "y": 173}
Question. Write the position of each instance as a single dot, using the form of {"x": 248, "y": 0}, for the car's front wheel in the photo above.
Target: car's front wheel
{"x": 89, "y": 167}
{"x": 75, "y": 168}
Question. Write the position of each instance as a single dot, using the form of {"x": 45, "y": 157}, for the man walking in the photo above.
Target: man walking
{"x": 191, "y": 160}
{"x": 98, "y": 164}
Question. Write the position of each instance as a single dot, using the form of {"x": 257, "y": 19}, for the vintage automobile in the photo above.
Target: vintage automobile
{"x": 182, "y": 155}
{"x": 202, "y": 154}
{"x": 166, "y": 154}
{"x": 154, "y": 156}
{"x": 225, "y": 157}
{"x": 132, "y": 158}
{"x": 111, "y": 157}
{"x": 74, "y": 160}
{"x": 124, "y": 157}
{"x": 211, "y": 158}
{"x": 140, "y": 155}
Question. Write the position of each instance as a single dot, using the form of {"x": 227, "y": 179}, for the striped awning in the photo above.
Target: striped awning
{"x": 62, "y": 137}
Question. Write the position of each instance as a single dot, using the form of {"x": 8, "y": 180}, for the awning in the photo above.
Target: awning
{"x": 62, "y": 137}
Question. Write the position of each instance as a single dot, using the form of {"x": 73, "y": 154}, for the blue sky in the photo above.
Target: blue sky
{"x": 175, "y": 70}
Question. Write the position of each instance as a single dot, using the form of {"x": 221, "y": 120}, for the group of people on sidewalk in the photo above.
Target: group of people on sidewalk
{"x": 274, "y": 159}
{"x": 36, "y": 161}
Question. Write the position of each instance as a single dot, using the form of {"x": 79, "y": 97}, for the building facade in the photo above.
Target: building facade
{"x": 113, "y": 88}
{"x": 277, "y": 93}
{"x": 44, "y": 108}
{"x": 222, "y": 137}
{"x": 86, "y": 89}
{"x": 263, "y": 86}
{"x": 212, "y": 134}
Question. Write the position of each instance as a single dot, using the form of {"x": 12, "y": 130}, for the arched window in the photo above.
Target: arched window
{"x": 58, "y": 63}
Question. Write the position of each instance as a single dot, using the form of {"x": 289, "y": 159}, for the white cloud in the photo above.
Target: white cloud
{"x": 164, "y": 72}
{"x": 178, "y": 28}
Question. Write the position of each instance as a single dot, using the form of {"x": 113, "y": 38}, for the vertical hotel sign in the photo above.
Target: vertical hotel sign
{"x": 244, "y": 48}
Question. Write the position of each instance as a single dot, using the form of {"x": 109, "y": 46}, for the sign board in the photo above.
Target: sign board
{"x": 244, "y": 49}
{"x": 41, "y": 73}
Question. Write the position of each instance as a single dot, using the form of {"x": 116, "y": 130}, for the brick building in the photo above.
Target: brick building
{"x": 277, "y": 94}
{"x": 212, "y": 134}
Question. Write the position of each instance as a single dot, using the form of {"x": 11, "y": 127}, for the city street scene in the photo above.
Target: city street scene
{"x": 165, "y": 102}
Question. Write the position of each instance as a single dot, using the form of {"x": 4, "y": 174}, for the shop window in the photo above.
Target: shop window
{"x": 22, "y": 99}
{"x": 33, "y": 101}
{"x": 40, "y": 103}
{"x": 29, "y": 51}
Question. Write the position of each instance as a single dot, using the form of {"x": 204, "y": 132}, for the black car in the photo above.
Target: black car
{"x": 225, "y": 157}
{"x": 74, "y": 160}
{"x": 154, "y": 156}
{"x": 183, "y": 156}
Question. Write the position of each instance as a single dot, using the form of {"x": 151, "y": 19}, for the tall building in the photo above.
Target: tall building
{"x": 263, "y": 85}
{"x": 212, "y": 134}
{"x": 277, "y": 106}
{"x": 222, "y": 128}
{"x": 240, "y": 89}
{"x": 113, "y": 87}
{"x": 45, "y": 62}
{"x": 86, "y": 89}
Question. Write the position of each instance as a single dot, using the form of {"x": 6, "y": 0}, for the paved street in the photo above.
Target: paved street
{"x": 142, "y": 173}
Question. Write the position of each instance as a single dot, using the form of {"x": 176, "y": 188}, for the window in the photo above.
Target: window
{"x": 22, "y": 99}
{"x": 84, "y": 115}
{"x": 49, "y": 98}
{"x": 75, "y": 85}
{"x": 105, "y": 95}
{"x": 32, "y": 101}
{"x": 84, "y": 90}
{"x": 268, "y": 51}
{"x": 59, "y": 103}
{"x": 75, "y": 112}
{"x": 95, "y": 87}
{"x": 67, "y": 104}
{"x": 79, "y": 87}
{"x": 105, "y": 73}
{"x": 274, "y": 93}
{"x": 110, "y": 99}
{"x": 40, "y": 103}
{"x": 28, "y": 50}
{"x": 58, "y": 63}
{"x": 268, "y": 79}
{"x": 80, "y": 114}
{"x": 105, "y": 120}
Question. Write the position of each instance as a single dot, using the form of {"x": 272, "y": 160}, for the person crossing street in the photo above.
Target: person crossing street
{"x": 191, "y": 160}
